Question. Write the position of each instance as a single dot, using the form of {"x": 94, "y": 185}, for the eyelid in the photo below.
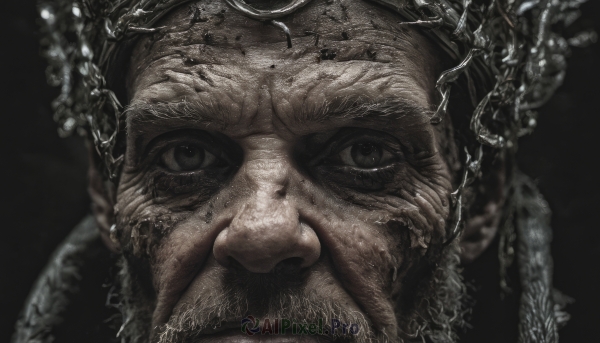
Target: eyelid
{"x": 169, "y": 153}
{"x": 164, "y": 146}
{"x": 384, "y": 141}
{"x": 340, "y": 142}
{"x": 347, "y": 151}
{"x": 203, "y": 139}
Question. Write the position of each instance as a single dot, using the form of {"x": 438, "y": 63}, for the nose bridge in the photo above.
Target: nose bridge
{"x": 268, "y": 211}
{"x": 268, "y": 176}
{"x": 267, "y": 163}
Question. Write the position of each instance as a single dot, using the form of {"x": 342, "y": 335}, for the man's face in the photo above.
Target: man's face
{"x": 299, "y": 183}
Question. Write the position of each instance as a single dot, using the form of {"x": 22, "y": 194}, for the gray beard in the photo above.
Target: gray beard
{"x": 437, "y": 309}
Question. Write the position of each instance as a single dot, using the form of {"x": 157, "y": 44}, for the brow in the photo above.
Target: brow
{"x": 216, "y": 117}
{"x": 205, "y": 114}
{"x": 359, "y": 108}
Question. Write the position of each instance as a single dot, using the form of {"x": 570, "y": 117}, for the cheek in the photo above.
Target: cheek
{"x": 151, "y": 202}
{"x": 361, "y": 255}
{"x": 143, "y": 221}
{"x": 371, "y": 250}
{"x": 170, "y": 236}
{"x": 418, "y": 203}
{"x": 376, "y": 238}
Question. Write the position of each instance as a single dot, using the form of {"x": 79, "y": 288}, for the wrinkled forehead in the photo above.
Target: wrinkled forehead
{"x": 212, "y": 33}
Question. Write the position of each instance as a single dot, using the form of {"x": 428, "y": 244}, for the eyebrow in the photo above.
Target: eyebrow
{"x": 360, "y": 108}
{"x": 206, "y": 114}
{"x": 218, "y": 118}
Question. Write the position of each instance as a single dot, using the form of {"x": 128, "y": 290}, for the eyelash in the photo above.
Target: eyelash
{"x": 162, "y": 180}
{"x": 365, "y": 179}
{"x": 338, "y": 145}
{"x": 362, "y": 179}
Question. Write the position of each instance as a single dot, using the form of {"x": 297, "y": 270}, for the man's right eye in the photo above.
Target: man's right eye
{"x": 190, "y": 160}
{"x": 187, "y": 157}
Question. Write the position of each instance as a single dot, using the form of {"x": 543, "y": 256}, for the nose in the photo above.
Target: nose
{"x": 266, "y": 235}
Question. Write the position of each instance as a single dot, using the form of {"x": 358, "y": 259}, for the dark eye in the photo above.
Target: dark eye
{"x": 365, "y": 155}
{"x": 187, "y": 157}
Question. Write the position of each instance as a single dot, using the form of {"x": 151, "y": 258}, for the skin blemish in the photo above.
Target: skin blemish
{"x": 196, "y": 15}
{"x": 375, "y": 25}
{"x": 220, "y": 17}
{"x": 208, "y": 37}
{"x": 189, "y": 61}
{"x": 147, "y": 233}
{"x": 327, "y": 54}
{"x": 419, "y": 237}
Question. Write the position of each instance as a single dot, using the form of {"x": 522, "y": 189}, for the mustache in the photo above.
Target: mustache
{"x": 273, "y": 295}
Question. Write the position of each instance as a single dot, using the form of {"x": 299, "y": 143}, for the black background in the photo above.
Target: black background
{"x": 43, "y": 177}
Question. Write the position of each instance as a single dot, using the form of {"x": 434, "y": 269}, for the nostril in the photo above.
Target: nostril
{"x": 288, "y": 266}
{"x": 281, "y": 192}
{"x": 234, "y": 264}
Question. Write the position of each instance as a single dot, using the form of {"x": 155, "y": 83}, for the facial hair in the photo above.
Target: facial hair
{"x": 436, "y": 311}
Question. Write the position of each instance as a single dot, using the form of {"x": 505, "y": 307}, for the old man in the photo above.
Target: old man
{"x": 302, "y": 171}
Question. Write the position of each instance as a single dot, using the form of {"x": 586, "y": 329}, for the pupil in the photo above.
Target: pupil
{"x": 366, "y": 148}
{"x": 187, "y": 151}
{"x": 189, "y": 157}
{"x": 366, "y": 155}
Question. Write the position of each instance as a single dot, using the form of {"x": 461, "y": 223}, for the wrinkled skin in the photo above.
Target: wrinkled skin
{"x": 251, "y": 163}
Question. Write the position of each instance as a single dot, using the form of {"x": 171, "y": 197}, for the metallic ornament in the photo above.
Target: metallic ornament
{"x": 257, "y": 14}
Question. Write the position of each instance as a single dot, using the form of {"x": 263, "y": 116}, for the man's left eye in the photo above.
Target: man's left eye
{"x": 365, "y": 155}
{"x": 187, "y": 157}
